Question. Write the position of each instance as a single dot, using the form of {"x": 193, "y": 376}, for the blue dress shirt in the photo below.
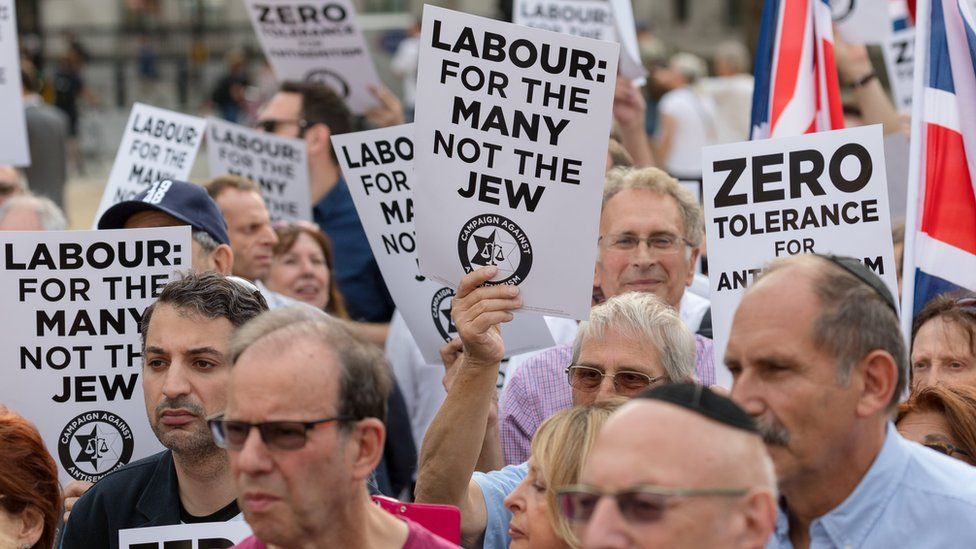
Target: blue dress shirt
{"x": 910, "y": 497}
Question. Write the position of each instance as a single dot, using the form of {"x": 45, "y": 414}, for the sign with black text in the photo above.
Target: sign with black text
{"x": 899, "y": 56}
{"x": 13, "y": 139}
{"x": 587, "y": 18}
{"x": 204, "y": 535}
{"x": 378, "y": 166}
{"x": 157, "y": 144}
{"x": 70, "y": 349}
{"x": 317, "y": 41}
{"x": 824, "y": 192}
{"x": 511, "y": 138}
{"x": 277, "y": 164}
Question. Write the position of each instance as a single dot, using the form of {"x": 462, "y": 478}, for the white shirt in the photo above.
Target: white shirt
{"x": 694, "y": 128}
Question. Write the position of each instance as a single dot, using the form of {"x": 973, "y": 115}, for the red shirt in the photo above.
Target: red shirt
{"x": 418, "y": 537}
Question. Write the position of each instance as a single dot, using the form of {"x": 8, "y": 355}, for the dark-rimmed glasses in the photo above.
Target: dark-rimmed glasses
{"x": 663, "y": 243}
{"x": 270, "y": 125}
{"x": 277, "y": 435}
{"x": 643, "y": 503}
{"x": 947, "y": 449}
{"x": 588, "y": 378}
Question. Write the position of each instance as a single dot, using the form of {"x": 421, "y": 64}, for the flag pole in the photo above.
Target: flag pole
{"x": 915, "y": 164}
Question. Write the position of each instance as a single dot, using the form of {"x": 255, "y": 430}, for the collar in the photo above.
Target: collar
{"x": 160, "y": 499}
{"x": 850, "y": 523}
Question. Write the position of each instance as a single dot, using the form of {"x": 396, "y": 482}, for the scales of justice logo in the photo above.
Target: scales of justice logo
{"x": 490, "y": 239}
{"x": 94, "y": 444}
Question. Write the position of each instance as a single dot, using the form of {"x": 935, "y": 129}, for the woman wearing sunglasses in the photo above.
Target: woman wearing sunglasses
{"x": 559, "y": 448}
{"x": 943, "y": 418}
{"x": 301, "y": 268}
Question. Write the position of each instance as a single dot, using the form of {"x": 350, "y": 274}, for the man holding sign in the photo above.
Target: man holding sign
{"x": 186, "y": 334}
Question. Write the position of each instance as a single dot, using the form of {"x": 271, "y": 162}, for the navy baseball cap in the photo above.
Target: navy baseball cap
{"x": 185, "y": 201}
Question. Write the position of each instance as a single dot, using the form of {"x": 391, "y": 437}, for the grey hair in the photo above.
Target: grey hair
{"x": 210, "y": 295}
{"x": 646, "y": 319}
{"x": 207, "y": 242}
{"x": 366, "y": 381}
{"x": 49, "y": 214}
{"x": 658, "y": 181}
{"x": 733, "y": 53}
{"x": 854, "y": 319}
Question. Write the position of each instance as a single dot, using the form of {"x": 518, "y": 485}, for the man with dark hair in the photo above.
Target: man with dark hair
{"x": 315, "y": 113}
{"x": 170, "y": 203}
{"x": 304, "y": 436}
{"x": 185, "y": 337}
{"x": 818, "y": 360}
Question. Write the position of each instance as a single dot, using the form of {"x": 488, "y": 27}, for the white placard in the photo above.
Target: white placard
{"x": 70, "y": 348}
{"x": 278, "y": 164}
{"x": 204, "y": 535}
{"x": 631, "y": 65}
{"x": 899, "y": 57}
{"x": 13, "y": 138}
{"x": 862, "y": 21}
{"x": 378, "y": 166}
{"x": 824, "y": 192}
{"x": 587, "y": 18}
{"x": 317, "y": 41}
{"x": 511, "y": 162}
{"x": 157, "y": 144}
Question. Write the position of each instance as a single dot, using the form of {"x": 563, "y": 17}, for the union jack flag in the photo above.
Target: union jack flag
{"x": 796, "y": 88}
{"x": 940, "y": 245}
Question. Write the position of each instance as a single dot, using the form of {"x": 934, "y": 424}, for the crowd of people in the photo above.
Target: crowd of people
{"x": 288, "y": 393}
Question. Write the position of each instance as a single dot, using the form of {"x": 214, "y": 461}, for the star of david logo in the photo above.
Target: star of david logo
{"x": 495, "y": 250}
{"x": 95, "y": 447}
{"x": 451, "y": 328}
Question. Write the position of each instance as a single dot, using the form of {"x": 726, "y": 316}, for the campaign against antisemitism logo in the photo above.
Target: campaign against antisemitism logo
{"x": 440, "y": 312}
{"x": 490, "y": 239}
{"x": 330, "y": 79}
{"x": 94, "y": 444}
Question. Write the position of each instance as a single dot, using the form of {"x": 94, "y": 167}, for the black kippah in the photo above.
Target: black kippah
{"x": 704, "y": 401}
{"x": 865, "y": 275}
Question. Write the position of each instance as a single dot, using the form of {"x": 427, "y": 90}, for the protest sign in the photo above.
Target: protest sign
{"x": 204, "y": 535}
{"x": 861, "y": 21}
{"x": 70, "y": 348}
{"x": 823, "y": 192}
{"x": 378, "y": 166}
{"x": 511, "y": 141}
{"x": 13, "y": 138}
{"x": 317, "y": 41}
{"x": 587, "y": 18}
{"x": 631, "y": 65}
{"x": 278, "y": 164}
{"x": 157, "y": 144}
{"x": 899, "y": 57}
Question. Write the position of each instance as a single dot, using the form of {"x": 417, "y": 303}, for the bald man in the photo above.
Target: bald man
{"x": 714, "y": 489}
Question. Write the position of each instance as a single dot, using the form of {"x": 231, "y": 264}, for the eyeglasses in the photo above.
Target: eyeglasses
{"x": 586, "y": 378}
{"x": 947, "y": 449}
{"x": 660, "y": 243}
{"x": 277, "y": 435}
{"x": 639, "y": 504}
{"x": 270, "y": 125}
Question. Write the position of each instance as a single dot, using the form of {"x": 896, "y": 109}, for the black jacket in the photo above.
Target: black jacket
{"x": 143, "y": 493}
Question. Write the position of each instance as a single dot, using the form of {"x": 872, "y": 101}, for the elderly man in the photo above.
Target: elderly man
{"x": 818, "y": 360}
{"x": 631, "y": 342}
{"x": 314, "y": 112}
{"x": 26, "y": 212}
{"x": 186, "y": 366}
{"x": 650, "y": 232}
{"x": 304, "y": 435}
{"x": 720, "y": 480}
{"x": 171, "y": 203}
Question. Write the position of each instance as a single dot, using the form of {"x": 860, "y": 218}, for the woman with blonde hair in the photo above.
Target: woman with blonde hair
{"x": 559, "y": 450}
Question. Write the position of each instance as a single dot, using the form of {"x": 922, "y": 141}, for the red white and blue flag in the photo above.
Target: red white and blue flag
{"x": 796, "y": 88}
{"x": 940, "y": 246}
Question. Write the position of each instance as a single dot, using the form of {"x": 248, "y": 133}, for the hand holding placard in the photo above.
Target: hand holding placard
{"x": 477, "y": 312}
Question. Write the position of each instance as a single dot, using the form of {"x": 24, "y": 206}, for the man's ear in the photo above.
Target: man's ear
{"x": 223, "y": 259}
{"x": 366, "y": 442}
{"x": 758, "y": 512}
{"x": 879, "y": 377}
{"x": 318, "y": 139}
{"x": 692, "y": 258}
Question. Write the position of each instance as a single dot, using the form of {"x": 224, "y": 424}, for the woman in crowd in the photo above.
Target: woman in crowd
{"x": 944, "y": 342}
{"x": 30, "y": 496}
{"x": 559, "y": 449}
{"x": 942, "y": 417}
{"x": 302, "y": 268}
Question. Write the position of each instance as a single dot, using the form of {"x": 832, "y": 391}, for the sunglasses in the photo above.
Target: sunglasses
{"x": 270, "y": 125}
{"x": 640, "y": 504}
{"x": 947, "y": 449}
{"x": 589, "y": 379}
{"x": 277, "y": 435}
